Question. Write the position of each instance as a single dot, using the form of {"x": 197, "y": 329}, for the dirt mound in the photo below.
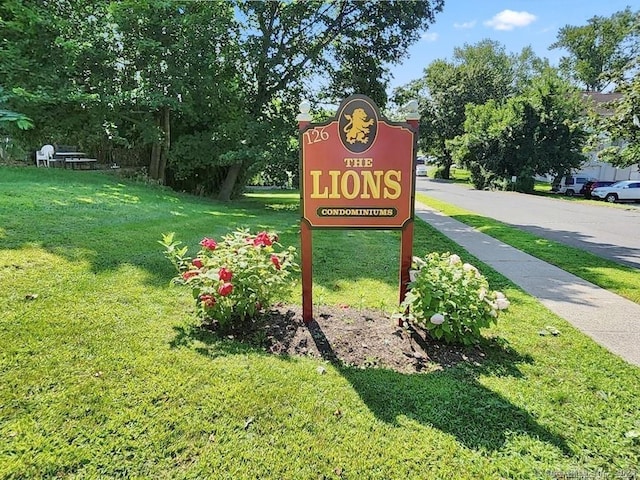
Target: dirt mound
{"x": 361, "y": 338}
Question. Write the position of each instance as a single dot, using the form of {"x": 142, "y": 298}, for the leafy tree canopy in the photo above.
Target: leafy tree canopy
{"x": 218, "y": 80}
{"x": 7, "y": 116}
{"x": 596, "y": 50}
{"x": 619, "y": 128}
{"x": 478, "y": 73}
{"x": 537, "y": 132}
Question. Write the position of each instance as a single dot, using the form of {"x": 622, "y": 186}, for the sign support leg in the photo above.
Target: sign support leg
{"x": 307, "y": 272}
{"x": 406, "y": 254}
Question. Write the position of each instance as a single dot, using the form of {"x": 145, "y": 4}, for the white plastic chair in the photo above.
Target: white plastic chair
{"x": 44, "y": 155}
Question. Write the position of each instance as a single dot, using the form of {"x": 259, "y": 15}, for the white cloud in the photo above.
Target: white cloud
{"x": 508, "y": 20}
{"x": 430, "y": 37}
{"x": 465, "y": 25}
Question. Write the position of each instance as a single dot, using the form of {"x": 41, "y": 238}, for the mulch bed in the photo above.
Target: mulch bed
{"x": 363, "y": 338}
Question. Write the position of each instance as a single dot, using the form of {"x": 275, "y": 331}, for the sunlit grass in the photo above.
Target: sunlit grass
{"x": 104, "y": 374}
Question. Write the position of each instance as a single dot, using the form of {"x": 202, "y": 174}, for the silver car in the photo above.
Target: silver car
{"x": 627, "y": 190}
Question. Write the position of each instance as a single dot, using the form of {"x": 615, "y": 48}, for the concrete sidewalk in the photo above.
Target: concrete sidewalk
{"x": 612, "y": 321}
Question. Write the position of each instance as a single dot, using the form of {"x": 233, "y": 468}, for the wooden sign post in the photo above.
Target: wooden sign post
{"x": 357, "y": 171}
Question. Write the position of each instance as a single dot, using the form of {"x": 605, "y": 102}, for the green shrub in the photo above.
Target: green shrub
{"x": 450, "y": 299}
{"x": 525, "y": 184}
{"x": 481, "y": 178}
{"x": 236, "y": 279}
{"x": 439, "y": 173}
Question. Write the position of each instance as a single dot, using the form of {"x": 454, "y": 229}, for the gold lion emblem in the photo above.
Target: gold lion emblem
{"x": 358, "y": 127}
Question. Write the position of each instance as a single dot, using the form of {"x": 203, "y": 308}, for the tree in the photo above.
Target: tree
{"x": 620, "y": 127}
{"x": 536, "y": 133}
{"x": 175, "y": 59}
{"x": 8, "y": 117}
{"x": 127, "y": 73}
{"x": 287, "y": 45}
{"x": 219, "y": 80}
{"x": 603, "y": 46}
{"x": 477, "y": 74}
{"x": 38, "y": 60}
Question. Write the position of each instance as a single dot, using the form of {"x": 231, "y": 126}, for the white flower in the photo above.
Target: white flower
{"x": 467, "y": 267}
{"x": 454, "y": 259}
{"x": 418, "y": 262}
{"x": 500, "y": 295}
{"x": 493, "y": 313}
{"x": 482, "y": 293}
{"x": 502, "y": 303}
{"x": 413, "y": 274}
{"x": 437, "y": 319}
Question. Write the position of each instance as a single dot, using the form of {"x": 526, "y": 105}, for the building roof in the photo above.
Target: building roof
{"x": 599, "y": 101}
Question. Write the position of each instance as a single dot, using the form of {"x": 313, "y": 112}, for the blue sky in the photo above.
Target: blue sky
{"x": 514, "y": 23}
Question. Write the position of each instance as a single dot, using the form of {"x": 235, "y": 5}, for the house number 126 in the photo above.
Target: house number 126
{"x": 316, "y": 135}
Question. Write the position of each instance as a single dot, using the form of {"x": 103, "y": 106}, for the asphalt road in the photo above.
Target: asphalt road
{"x": 612, "y": 233}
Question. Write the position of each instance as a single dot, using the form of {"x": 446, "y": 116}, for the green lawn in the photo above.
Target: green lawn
{"x": 103, "y": 373}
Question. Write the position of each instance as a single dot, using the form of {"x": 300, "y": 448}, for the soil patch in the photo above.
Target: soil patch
{"x": 360, "y": 338}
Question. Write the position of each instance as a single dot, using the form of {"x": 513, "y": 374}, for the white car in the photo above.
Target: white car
{"x": 421, "y": 167}
{"x": 621, "y": 191}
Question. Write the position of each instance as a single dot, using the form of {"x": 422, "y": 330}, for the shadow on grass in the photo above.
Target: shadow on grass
{"x": 208, "y": 343}
{"x": 451, "y": 400}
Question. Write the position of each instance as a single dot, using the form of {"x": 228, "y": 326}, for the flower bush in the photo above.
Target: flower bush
{"x": 450, "y": 299}
{"x": 236, "y": 278}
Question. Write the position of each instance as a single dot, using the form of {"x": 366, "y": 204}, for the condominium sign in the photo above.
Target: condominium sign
{"x": 357, "y": 169}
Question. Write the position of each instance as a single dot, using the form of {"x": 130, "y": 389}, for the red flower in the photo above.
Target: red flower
{"x": 276, "y": 261}
{"x": 208, "y": 300}
{"x": 197, "y": 263}
{"x": 189, "y": 274}
{"x": 225, "y": 289}
{"x": 262, "y": 240}
{"x": 225, "y": 274}
{"x": 209, "y": 243}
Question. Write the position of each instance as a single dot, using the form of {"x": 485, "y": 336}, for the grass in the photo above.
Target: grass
{"x": 103, "y": 374}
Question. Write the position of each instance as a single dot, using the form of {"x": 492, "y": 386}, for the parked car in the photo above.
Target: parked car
{"x": 571, "y": 186}
{"x": 421, "y": 167}
{"x": 589, "y": 186}
{"x": 620, "y": 191}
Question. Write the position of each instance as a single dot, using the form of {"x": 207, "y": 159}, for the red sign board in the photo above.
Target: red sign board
{"x": 357, "y": 169}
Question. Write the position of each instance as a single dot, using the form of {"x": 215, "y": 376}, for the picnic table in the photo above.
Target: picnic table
{"x": 75, "y": 159}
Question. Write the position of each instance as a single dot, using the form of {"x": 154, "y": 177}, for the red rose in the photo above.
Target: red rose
{"x": 262, "y": 240}
{"x": 208, "y": 300}
{"x": 197, "y": 263}
{"x": 189, "y": 274}
{"x": 225, "y": 274}
{"x": 276, "y": 261}
{"x": 209, "y": 243}
{"x": 225, "y": 289}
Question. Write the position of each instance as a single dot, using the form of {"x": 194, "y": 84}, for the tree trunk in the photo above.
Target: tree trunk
{"x": 164, "y": 153}
{"x": 155, "y": 160}
{"x": 446, "y": 165}
{"x": 229, "y": 182}
{"x": 160, "y": 147}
